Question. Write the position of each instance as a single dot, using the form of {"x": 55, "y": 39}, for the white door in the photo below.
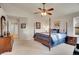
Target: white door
{"x": 13, "y": 28}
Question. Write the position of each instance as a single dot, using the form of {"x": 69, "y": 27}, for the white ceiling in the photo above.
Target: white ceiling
{"x": 60, "y": 9}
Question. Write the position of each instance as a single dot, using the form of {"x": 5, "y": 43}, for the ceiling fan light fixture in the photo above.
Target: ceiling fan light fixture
{"x": 43, "y": 13}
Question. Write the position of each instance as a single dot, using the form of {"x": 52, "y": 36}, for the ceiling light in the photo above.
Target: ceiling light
{"x": 43, "y": 13}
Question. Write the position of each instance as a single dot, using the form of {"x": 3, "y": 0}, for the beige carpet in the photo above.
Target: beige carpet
{"x": 30, "y": 47}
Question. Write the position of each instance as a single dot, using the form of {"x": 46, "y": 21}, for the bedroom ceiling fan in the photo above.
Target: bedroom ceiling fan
{"x": 43, "y": 11}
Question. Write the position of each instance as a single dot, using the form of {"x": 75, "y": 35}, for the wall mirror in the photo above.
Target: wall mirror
{"x": 3, "y": 26}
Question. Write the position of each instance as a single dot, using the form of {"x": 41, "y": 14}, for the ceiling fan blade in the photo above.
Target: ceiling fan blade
{"x": 50, "y": 9}
{"x": 36, "y": 12}
{"x": 49, "y": 13}
{"x": 40, "y": 8}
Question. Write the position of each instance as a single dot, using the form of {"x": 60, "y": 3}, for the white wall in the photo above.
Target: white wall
{"x": 69, "y": 19}
{"x": 44, "y": 24}
{"x": 11, "y": 10}
{"x": 31, "y": 19}
{"x": 28, "y": 32}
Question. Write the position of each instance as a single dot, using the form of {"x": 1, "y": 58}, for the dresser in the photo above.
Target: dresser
{"x": 5, "y": 44}
{"x": 71, "y": 40}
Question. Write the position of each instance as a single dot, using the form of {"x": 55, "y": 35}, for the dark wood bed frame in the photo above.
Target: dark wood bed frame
{"x": 44, "y": 42}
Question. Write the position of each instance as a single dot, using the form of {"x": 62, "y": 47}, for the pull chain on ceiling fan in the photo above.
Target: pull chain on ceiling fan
{"x": 43, "y": 11}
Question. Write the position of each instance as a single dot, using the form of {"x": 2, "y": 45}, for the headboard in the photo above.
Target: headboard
{"x": 55, "y": 30}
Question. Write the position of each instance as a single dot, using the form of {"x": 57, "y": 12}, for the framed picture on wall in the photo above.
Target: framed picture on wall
{"x": 23, "y": 25}
{"x": 38, "y": 25}
{"x": 57, "y": 24}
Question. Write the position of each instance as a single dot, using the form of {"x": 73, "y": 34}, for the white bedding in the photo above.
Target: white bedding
{"x": 58, "y": 38}
{"x": 58, "y": 35}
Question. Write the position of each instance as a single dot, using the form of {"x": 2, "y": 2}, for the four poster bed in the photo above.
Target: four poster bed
{"x": 51, "y": 39}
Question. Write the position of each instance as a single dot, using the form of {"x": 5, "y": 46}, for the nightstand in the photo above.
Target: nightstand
{"x": 71, "y": 40}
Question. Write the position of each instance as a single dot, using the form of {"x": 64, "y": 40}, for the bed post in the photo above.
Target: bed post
{"x": 66, "y": 27}
{"x": 34, "y": 27}
{"x": 49, "y": 33}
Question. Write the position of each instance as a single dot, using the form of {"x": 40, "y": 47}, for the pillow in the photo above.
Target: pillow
{"x": 55, "y": 30}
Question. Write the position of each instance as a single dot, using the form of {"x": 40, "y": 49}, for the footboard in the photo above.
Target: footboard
{"x": 44, "y": 42}
{"x": 43, "y": 39}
